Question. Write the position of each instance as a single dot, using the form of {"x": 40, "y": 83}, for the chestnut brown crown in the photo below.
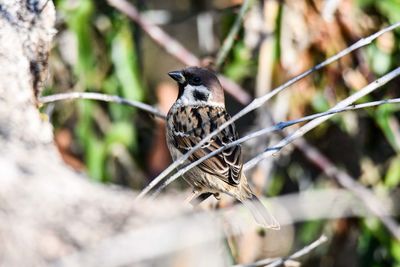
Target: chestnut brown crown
{"x": 203, "y": 84}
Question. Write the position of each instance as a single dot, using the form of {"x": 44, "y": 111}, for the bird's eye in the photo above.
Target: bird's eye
{"x": 196, "y": 80}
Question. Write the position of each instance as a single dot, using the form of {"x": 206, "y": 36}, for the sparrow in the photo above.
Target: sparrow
{"x": 198, "y": 111}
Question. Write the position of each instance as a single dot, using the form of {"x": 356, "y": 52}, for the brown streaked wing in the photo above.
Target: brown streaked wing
{"x": 227, "y": 165}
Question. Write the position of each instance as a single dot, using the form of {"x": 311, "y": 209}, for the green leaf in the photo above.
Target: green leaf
{"x": 319, "y": 102}
{"x": 364, "y": 240}
{"x": 93, "y": 148}
{"x": 117, "y": 111}
{"x": 84, "y": 128}
{"x": 392, "y": 179}
{"x": 381, "y": 62}
{"x": 241, "y": 64}
{"x": 310, "y": 230}
{"x": 383, "y": 115}
{"x": 395, "y": 250}
{"x": 120, "y": 132}
{"x": 79, "y": 20}
{"x": 376, "y": 229}
{"x": 365, "y": 3}
{"x": 125, "y": 62}
{"x": 391, "y": 8}
{"x": 95, "y": 159}
{"x": 276, "y": 185}
{"x": 372, "y": 224}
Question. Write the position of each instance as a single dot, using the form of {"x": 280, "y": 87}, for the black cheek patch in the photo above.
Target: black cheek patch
{"x": 200, "y": 95}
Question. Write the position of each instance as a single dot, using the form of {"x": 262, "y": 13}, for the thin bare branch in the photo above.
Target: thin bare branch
{"x": 300, "y": 253}
{"x": 101, "y": 97}
{"x": 281, "y": 261}
{"x": 175, "y": 48}
{"x": 314, "y": 123}
{"x": 256, "y": 103}
{"x": 164, "y": 40}
{"x": 277, "y": 127}
{"x": 228, "y": 42}
{"x": 360, "y": 43}
{"x": 344, "y": 179}
{"x": 234, "y": 90}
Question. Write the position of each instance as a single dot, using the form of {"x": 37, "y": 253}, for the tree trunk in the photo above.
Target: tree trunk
{"x": 51, "y": 215}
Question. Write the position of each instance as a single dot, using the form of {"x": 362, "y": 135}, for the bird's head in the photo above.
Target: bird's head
{"x": 198, "y": 86}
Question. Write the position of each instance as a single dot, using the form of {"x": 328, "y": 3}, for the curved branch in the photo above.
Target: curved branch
{"x": 101, "y": 97}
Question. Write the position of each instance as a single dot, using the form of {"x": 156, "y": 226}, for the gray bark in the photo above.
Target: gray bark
{"x": 53, "y": 216}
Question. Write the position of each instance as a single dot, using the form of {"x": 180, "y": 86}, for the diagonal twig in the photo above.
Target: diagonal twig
{"x": 348, "y": 182}
{"x": 228, "y": 42}
{"x": 164, "y": 40}
{"x": 300, "y": 253}
{"x": 173, "y": 47}
{"x": 281, "y": 261}
{"x": 314, "y": 123}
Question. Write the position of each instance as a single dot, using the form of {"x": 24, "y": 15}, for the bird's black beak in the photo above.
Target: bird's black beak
{"x": 177, "y": 76}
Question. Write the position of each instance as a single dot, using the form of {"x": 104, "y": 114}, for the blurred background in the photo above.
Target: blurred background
{"x": 99, "y": 49}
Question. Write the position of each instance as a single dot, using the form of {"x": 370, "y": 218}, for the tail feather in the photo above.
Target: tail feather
{"x": 260, "y": 213}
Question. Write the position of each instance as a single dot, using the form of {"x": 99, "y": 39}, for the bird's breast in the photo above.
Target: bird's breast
{"x": 196, "y": 120}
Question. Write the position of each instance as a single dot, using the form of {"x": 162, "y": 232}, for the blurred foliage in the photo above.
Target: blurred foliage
{"x": 98, "y": 49}
{"x": 106, "y": 62}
